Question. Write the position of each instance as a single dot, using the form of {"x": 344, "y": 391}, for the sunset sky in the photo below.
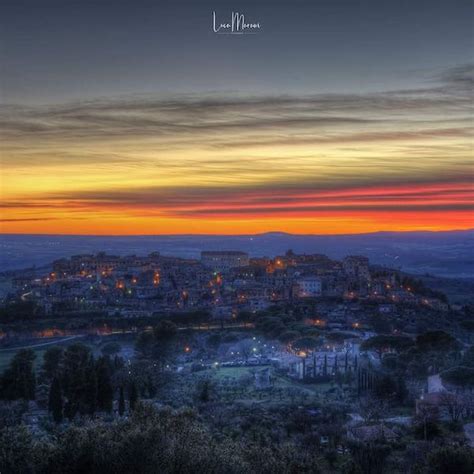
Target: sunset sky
{"x": 336, "y": 117}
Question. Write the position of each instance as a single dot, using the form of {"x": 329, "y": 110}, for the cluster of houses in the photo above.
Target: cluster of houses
{"x": 222, "y": 282}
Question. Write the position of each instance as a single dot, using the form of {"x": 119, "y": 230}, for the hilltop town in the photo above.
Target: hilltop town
{"x": 221, "y": 282}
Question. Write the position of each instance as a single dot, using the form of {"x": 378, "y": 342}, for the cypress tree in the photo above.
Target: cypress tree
{"x": 133, "y": 396}
{"x": 118, "y": 362}
{"x": 89, "y": 399}
{"x": 121, "y": 406}
{"x": 52, "y": 360}
{"x": 204, "y": 396}
{"x": 151, "y": 387}
{"x": 105, "y": 391}
{"x": 19, "y": 380}
{"x": 55, "y": 401}
{"x": 79, "y": 381}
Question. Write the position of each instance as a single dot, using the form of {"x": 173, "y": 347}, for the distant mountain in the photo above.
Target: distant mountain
{"x": 448, "y": 254}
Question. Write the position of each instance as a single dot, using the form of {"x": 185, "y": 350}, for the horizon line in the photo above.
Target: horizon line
{"x": 470, "y": 229}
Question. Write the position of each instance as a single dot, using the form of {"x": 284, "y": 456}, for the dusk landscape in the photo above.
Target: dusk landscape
{"x": 236, "y": 237}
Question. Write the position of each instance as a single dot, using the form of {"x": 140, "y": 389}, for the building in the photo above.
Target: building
{"x": 221, "y": 261}
{"x": 356, "y": 267}
{"x": 309, "y": 286}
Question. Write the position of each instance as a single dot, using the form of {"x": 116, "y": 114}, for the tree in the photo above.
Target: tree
{"x": 19, "y": 380}
{"x": 144, "y": 344}
{"x": 121, "y": 405}
{"x": 455, "y": 404}
{"x": 288, "y": 336}
{"x": 90, "y": 389}
{"x": 55, "y": 402}
{"x": 331, "y": 457}
{"x": 165, "y": 330}
{"x": 380, "y": 323}
{"x": 468, "y": 358}
{"x": 204, "y": 393}
{"x": 459, "y": 376}
{"x": 105, "y": 391}
{"x": 150, "y": 386}
{"x": 372, "y": 409}
{"x": 306, "y": 344}
{"x": 426, "y": 422}
{"x": 214, "y": 340}
{"x": 437, "y": 341}
{"x": 385, "y": 387}
{"x": 111, "y": 348}
{"x": 467, "y": 324}
{"x": 402, "y": 390}
{"x": 369, "y": 458}
{"x": 118, "y": 363}
{"x": 382, "y": 343}
{"x": 133, "y": 396}
{"x": 244, "y": 316}
{"x": 449, "y": 460}
{"x": 52, "y": 360}
{"x": 164, "y": 334}
{"x": 19, "y": 311}
{"x": 79, "y": 381}
{"x": 245, "y": 347}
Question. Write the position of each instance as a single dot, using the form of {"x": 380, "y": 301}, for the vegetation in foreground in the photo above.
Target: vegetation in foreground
{"x": 111, "y": 415}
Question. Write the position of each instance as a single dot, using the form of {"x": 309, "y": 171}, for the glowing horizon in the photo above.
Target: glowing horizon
{"x": 318, "y": 164}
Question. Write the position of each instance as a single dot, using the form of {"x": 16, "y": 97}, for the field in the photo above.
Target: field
{"x": 237, "y": 385}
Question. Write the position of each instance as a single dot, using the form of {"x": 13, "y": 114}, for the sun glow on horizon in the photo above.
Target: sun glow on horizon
{"x": 319, "y": 165}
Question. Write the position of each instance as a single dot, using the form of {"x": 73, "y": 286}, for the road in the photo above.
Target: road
{"x": 34, "y": 346}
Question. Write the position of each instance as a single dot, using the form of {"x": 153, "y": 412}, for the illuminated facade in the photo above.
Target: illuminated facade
{"x": 221, "y": 261}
